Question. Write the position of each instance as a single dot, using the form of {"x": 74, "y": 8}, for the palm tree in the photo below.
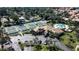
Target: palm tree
{"x": 38, "y": 47}
{"x": 8, "y": 38}
{"x": 2, "y": 40}
{"x": 0, "y": 23}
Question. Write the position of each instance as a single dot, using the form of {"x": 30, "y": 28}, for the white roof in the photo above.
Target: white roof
{"x": 67, "y": 27}
{"x": 4, "y": 20}
{"x": 75, "y": 19}
{"x": 11, "y": 20}
{"x": 31, "y": 18}
{"x": 21, "y": 17}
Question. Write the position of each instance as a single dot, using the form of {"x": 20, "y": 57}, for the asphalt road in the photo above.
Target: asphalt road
{"x": 61, "y": 45}
{"x": 57, "y": 43}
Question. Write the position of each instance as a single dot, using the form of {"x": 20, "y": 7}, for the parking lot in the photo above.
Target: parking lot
{"x": 26, "y": 37}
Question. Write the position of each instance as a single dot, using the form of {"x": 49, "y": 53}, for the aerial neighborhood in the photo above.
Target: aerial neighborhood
{"x": 39, "y": 29}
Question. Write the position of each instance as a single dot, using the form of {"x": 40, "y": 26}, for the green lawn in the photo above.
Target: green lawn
{"x": 46, "y": 48}
{"x": 69, "y": 39}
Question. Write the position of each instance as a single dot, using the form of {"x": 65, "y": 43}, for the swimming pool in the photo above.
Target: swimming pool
{"x": 59, "y": 26}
